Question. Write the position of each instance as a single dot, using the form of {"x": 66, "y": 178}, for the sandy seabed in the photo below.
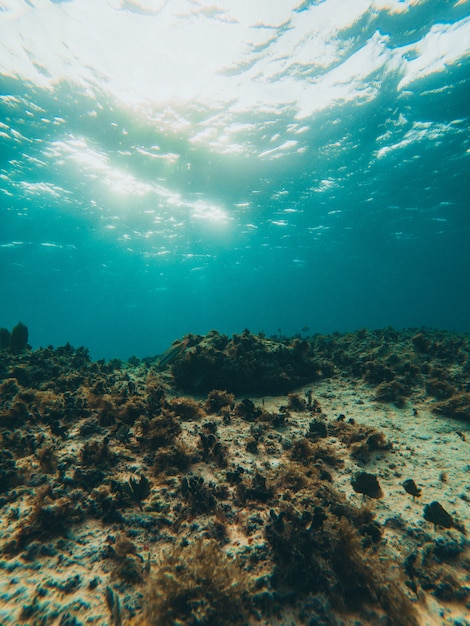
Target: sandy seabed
{"x": 127, "y": 499}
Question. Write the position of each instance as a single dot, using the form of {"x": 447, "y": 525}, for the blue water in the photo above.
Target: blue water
{"x": 176, "y": 166}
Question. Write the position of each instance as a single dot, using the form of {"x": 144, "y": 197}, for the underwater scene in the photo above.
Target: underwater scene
{"x": 235, "y": 312}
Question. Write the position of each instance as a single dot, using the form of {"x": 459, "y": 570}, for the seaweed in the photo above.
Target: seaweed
{"x": 246, "y": 363}
{"x": 218, "y": 399}
{"x": 199, "y": 496}
{"x": 457, "y": 407}
{"x": 187, "y": 409}
{"x": 295, "y": 402}
{"x": 128, "y": 564}
{"x": 212, "y": 448}
{"x": 316, "y": 553}
{"x": 137, "y": 490}
{"x": 51, "y": 515}
{"x": 158, "y": 431}
{"x": 9, "y": 475}
{"x": 97, "y": 453}
{"x": 174, "y": 459}
{"x": 194, "y": 585}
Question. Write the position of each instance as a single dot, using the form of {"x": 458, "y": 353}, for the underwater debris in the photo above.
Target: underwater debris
{"x": 367, "y": 484}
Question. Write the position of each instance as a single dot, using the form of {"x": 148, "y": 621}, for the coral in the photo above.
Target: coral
{"x": 197, "y": 585}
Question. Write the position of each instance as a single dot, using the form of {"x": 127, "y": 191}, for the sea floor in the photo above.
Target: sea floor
{"x": 127, "y": 501}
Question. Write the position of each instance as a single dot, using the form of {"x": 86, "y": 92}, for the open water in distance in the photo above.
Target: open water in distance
{"x": 175, "y": 166}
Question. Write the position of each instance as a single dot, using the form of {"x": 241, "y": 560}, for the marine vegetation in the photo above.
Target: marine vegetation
{"x": 245, "y": 363}
{"x": 221, "y": 508}
{"x": 196, "y": 585}
{"x": 317, "y": 549}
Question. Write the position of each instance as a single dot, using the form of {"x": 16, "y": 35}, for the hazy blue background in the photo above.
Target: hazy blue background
{"x": 175, "y": 166}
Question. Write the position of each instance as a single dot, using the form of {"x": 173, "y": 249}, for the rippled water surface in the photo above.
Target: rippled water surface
{"x": 175, "y": 166}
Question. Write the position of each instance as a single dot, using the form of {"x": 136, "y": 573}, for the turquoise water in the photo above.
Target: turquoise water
{"x": 175, "y": 166}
